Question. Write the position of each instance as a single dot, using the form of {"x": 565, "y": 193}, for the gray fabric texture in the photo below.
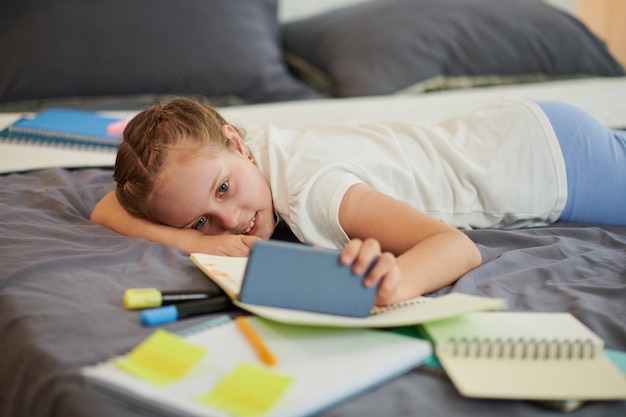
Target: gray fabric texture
{"x": 63, "y": 278}
{"x": 383, "y": 46}
{"x": 220, "y": 49}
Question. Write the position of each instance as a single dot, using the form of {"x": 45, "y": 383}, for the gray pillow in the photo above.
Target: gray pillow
{"x": 78, "y": 48}
{"x": 384, "y": 46}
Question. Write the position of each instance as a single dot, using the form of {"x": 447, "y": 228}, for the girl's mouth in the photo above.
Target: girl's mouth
{"x": 253, "y": 226}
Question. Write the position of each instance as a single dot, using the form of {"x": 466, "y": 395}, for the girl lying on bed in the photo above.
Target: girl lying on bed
{"x": 399, "y": 191}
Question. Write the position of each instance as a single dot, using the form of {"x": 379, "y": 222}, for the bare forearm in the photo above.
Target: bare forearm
{"x": 428, "y": 254}
{"x": 435, "y": 262}
{"x": 110, "y": 214}
{"x": 187, "y": 240}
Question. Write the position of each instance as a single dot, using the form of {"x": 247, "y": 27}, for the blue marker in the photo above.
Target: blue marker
{"x": 171, "y": 313}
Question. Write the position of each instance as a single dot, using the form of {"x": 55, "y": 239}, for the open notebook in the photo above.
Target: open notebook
{"x": 228, "y": 273}
{"x": 214, "y": 371}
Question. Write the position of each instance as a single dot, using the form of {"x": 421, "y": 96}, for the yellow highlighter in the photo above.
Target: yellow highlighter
{"x": 151, "y": 297}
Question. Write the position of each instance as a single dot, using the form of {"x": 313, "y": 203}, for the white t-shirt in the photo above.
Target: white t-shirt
{"x": 500, "y": 166}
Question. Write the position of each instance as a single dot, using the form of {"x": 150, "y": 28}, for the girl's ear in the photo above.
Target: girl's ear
{"x": 231, "y": 134}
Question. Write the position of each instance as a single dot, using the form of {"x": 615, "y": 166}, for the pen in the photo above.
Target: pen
{"x": 171, "y": 313}
{"x": 151, "y": 297}
{"x": 255, "y": 340}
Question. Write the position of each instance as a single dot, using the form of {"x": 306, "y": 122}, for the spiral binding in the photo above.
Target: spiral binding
{"x": 204, "y": 325}
{"x": 531, "y": 349}
{"x": 400, "y": 304}
{"x": 56, "y": 143}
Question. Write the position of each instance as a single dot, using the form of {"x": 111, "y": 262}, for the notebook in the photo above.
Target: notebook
{"x": 23, "y": 152}
{"x": 16, "y": 156}
{"x": 68, "y": 126}
{"x": 228, "y": 273}
{"x": 533, "y": 356}
{"x": 216, "y": 372}
{"x": 27, "y": 150}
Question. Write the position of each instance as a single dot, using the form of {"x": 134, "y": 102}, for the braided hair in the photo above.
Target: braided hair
{"x": 149, "y": 140}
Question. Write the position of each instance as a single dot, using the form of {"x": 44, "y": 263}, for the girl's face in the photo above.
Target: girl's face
{"x": 216, "y": 192}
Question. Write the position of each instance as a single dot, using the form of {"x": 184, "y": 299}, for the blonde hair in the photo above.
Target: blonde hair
{"x": 183, "y": 125}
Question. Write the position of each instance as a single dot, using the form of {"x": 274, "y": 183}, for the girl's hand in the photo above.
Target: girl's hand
{"x": 360, "y": 254}
{"x": 224, "y": 245}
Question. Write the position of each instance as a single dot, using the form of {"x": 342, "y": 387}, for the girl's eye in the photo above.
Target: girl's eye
{"x": 223, "y": 188}
{"x": 201, "y": 222}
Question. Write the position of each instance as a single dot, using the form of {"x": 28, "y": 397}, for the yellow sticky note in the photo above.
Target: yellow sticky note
{"x": 247, "y": 391}
{"x": 162, "y": 358}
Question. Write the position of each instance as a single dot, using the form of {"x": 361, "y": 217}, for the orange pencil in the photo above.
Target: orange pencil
{"x": 264, "y": 353}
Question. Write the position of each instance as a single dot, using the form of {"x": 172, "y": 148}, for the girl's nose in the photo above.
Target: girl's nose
{"x": 229, "y": 218}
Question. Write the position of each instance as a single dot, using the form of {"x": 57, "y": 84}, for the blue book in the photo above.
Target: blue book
{"x": 8, "y": 136}
{"x": 83, "y": 127}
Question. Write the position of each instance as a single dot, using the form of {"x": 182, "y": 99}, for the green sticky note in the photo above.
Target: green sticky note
{"x": 162, "y": 358}
{"x": 248, "y": 390}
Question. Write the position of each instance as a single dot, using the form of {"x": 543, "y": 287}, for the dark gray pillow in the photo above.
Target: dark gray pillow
{"x": 384, "y": 46}
{"x": 77, "y": 48}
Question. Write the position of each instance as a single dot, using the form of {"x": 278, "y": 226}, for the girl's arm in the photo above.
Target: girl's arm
{"x": 428, "y": 253}
{"x": 109, "y": 213}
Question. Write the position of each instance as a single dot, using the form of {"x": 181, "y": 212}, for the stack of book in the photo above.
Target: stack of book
{"x": 66, "y": 128}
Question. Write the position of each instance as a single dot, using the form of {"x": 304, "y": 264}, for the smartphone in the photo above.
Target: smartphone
{"x": 300, "y": 277}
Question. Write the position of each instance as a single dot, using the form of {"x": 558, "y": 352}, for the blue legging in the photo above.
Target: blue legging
{"x": 595, "y": 163}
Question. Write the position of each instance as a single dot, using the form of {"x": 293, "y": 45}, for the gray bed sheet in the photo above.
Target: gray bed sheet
{"x": 62, "y": 279}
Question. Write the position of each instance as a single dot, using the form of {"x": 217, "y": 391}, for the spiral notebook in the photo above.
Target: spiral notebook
{"x": 228, "y": 273}
{"x": 532, "y": 356}
{"x": 58, "y": 138}
{"x": 222, "y": 375}
{"x": 68, "y": 126}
